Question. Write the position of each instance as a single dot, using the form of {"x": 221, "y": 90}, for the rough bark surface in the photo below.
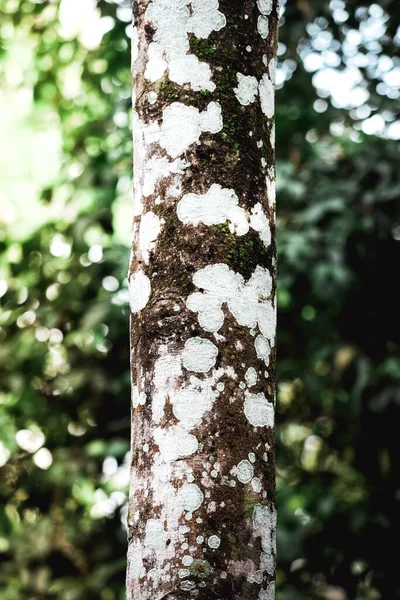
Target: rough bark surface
{"x": 202, "y": 292}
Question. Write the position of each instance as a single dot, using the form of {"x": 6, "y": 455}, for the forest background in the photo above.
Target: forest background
{"x": 65, "y": 231}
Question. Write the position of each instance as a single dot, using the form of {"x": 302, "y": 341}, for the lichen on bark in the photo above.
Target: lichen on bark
{"x": 202, "y": 499}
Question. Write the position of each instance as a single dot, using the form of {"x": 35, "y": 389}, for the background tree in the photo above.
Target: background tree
{"x": 65, "y": 213}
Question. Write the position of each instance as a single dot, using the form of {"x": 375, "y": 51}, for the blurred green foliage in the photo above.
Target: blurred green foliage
{"x": 65, "y": 221}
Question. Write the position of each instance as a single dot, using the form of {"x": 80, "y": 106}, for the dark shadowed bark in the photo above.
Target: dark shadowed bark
{"x": 202, "y": 293}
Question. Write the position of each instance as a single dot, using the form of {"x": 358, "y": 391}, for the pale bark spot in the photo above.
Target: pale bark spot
{"x": 251, "y": 376}
{"x": 152, "y": 97}
{"x": 272, "y": 70}
{"x": 135, "y": 564}
{"x": 248, "y": 301}
{"x": 174, "y": 443}
{"x": 150, "y": 227}
{"x": 268, "y": 594}
{"x": 263, "y": 26}
{"x": 256, "y": 484}
{"x": 262, "y": 348}
{"x": 260, "y": 223}
{"x": 167, "y": 370}
{"x": 265, "y": 6}
{"x": 245, "y": 471}
{"x": 215, "y": 206}
{"x": 190, "y": 497}
{"x": 189, "y": 406}
{"x": 267, "y": 99}
{"x": 182, "y": 126}
{"x": 259, "y": 412}
{"x": 139, "y": 291}
{"x": 155, "y": 534}
{"x": 199, "y": 355}
{"x": 159, "y": 167}
{"x": 138, "y": 398}
{"x": 247, "y": 89}
{"x": 173, "y": 21}
{"x": 214, "y": 541}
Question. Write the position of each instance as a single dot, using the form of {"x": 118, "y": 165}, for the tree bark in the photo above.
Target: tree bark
{"x": 202, "y": 284}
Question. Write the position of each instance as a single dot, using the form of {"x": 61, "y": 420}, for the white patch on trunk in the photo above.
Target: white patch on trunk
{"x": 268, "y": 594}
{"x": 173, "y": 22}
{"x": 199, "y": 355}
{"x": 251, "y": 376}
{"x": 214, "y": 541}
{"x": 135, "y": 564}
{"x": 167, "y": 370}
{"x": 267, "y": 97}
{"x": 247, "y": 89}
{"x": 265, "y": 6}
{"x": 138, "y": 398}
{"x": 152, "y": 97}
{"x": 189, "y": 406}
{"x": 260, "y": 223}
{"x": 215, "y": 206}
{"x": 155, "y": 534}
{"x": 190, "y": 497}
{"x": 263, "y": 26}
{"x": 183, "y": 125}
{"x": 150, "y": 227}
{"x": 262, "y": 348}
{"x": 272, "y": 70}
{"x": 259, "y": 412}
{"x": 175, "y": 442}
{"x": 245, "y": 471}
{"x": 139, "y": 291}
{"x": 249, "y": 302}
{"x": 256, "y": 485}
{"x": 159, "y": 167}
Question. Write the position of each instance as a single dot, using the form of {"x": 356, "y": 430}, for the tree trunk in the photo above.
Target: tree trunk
{"x": 202, "y": 294}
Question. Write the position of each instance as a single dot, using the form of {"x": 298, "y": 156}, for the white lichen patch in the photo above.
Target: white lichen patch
{"x": 150, "y": 227}
{"x": 175, "y": 443}
{"x": 189, "y": 406}
{"x": 139, "y": 291}
{"x": 260, "y": 223}
{"x": 272, "y": 70}
{"x": 219, "y": 205}
{"x": 247, "y": 89}
{"x": 216, "y": 206}
{"x": 167, "y": 370}
{"x": 157, "y": 168}
{"x": 135, "y": 562}
{"x": 245, "y": 471}
{"x": 183, "y": 125}
{"x": 199, "y": 355}
{"x": 138, "y": 398}
{"x": 267, "y": 96}
{"x": 256, "y": 484}
{"x": 249, "y": 302}
{"x": 264, "y": 525}
{"x": 152, "y": 97}
{"x": 259, "y": 412}
{"x": 190, "y": 497}
{"x": 251, "y": 376}
{"x": 214, "y": 541}
{"x": 155, "y": 534}
{"x": 170, "y": 49}
{"x": 262, "y": 348}
{"x": 268, "y": 594}
{"x": 265, "y": 8}
{"x": 263, "y": 26}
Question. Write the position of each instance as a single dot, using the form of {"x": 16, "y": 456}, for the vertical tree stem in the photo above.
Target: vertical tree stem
{"x": 202, "y": 293}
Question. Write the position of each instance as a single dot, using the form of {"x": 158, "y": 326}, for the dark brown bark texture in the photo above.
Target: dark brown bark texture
{"x": 202, "y": 288}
